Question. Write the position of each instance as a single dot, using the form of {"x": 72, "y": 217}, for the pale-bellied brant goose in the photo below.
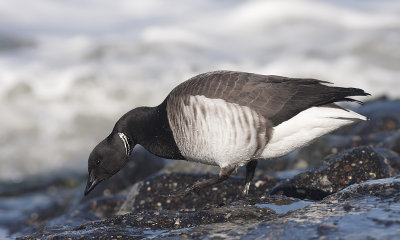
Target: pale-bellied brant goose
{"x": 228, "y": 119}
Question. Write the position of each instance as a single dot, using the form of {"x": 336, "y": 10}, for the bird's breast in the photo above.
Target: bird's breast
{"x": 216, "y": 132}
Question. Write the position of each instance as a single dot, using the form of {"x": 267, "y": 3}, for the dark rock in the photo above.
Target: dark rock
{"x": 154, "y": 222}
{"x": 147, "y": 200}
{"x": 152, "y": 192}
{"x": 382, "y": 188}
{"x": 362, "y": 211}
{"x": 332, "y": 144}
{"x": 337, "y": 172}
{"x": 94, "y": 210}
{"x": 157, "y": 219}
{"x": 164, "y": 219}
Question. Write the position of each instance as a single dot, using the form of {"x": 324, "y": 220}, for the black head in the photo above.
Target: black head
{"x": 107, "y": 158}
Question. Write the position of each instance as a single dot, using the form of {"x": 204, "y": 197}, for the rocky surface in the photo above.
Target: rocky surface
{"x": 153, "y": 193}
{"x": 355, "y": 165}
{"x": 370, "y": 210}
{"x": 349, "y": 186}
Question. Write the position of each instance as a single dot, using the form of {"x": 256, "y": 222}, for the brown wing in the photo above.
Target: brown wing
{"x": 276, "y": 98}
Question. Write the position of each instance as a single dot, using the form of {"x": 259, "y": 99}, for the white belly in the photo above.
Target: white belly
{"x": 213, "y": 131}
{"x": 307, "y": 126}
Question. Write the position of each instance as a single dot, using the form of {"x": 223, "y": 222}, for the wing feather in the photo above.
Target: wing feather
{"x": 276, "y": 98}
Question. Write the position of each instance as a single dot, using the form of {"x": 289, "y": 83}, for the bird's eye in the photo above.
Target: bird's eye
{"x": 97, "y": 162}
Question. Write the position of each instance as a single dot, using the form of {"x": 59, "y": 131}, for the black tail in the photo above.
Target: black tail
{"x": 310, "y": 93}
{"x": 339, "y": 94}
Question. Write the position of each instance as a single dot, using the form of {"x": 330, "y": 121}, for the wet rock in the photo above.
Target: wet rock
{"x": 137, "y": 223}
{"x": 36, "y": 199}
{"x": 362, "y": 211}
{"x": 34, "y": 209}
{"x": 96, "y": 209}
{"x": 93, "y": 210}
{"x": 150, "y": 223}
{"x": 146, "y": 200}
{"x": 152, "y": 192}
{"x": 337, "y": 172}
{"x": 332, "y": 144}
{"x": 382, "y": 188}
{"x": 156, "y": 219}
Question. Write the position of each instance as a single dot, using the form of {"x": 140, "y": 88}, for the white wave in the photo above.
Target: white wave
{"x": 69, "y": 69}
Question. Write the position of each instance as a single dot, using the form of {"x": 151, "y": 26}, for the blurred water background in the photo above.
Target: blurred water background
{"x": 70, "y": 69}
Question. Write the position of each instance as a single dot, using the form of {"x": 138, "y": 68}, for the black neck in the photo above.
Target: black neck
{"x": 149, "y": 127}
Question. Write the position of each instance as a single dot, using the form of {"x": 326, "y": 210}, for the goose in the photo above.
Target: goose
{"x": 228, "y": 119}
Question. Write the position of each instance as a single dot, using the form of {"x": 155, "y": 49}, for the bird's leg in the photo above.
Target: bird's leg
{"x": 222, "y": 176}
{"x": 250, "y": 169}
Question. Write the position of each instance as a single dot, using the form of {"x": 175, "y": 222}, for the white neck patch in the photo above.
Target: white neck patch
{"x": 124, "y": 139}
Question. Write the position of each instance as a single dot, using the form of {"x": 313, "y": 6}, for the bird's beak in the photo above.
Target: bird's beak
{"x": 91, "y": 183}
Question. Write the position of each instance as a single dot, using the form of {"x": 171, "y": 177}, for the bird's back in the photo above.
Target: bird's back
{"x": 276, "y": 98}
